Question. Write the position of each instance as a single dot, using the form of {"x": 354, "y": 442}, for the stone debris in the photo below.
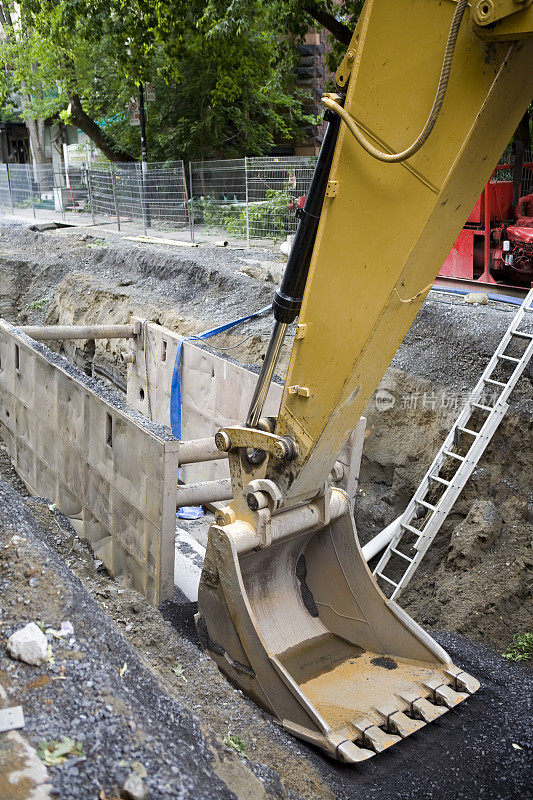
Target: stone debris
{"x": 134, "y": 788}
{"x": 11, "y": 718}
{"x": 28, "y": 644}
{"x": 477, "y": 298}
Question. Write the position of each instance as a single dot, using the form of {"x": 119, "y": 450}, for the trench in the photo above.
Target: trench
{"x": 476, "y": 576}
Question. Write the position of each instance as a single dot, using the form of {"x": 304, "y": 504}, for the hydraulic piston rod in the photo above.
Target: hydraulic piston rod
{"x": 288, "y": 298}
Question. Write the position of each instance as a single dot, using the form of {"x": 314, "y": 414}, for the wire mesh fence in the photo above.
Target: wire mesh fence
{"x": 505, "y": 171}
{"x": 101, "y": 191}
{"x": 247, "y": 198}
{"x": 5, "y": 194}
{"x": 218, "y": 196}
{"x": 277, "y": 188}
{"x": 252, "y": 198}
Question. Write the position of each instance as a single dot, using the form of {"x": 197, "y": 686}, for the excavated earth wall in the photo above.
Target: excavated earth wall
{"x": 476, "y": 578}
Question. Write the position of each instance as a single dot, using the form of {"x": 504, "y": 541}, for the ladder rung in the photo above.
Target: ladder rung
{"x": 454, "y": 455}
{"x": 402, "y": 555}
{"x": 480, "y": 405}
{"x": 510, "y": 358}
{"x": 467, "y": 430}
{"x": 381, "y": 575}
{"x": 426, "y": 505}
{"x": 494, "y": 383}
{"x": 439, "y": 480}
{"x": 410, "y": 528}
{"x": 522, "y": 334}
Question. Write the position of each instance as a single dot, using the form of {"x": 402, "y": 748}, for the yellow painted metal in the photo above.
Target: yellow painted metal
{"x": 384, "y": 236}
{"x": 486, "y": 12}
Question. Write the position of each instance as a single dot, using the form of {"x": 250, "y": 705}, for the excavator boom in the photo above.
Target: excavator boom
{"x": 429, "y": 94}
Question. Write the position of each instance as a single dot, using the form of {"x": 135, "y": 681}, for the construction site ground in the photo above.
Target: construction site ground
{"x": 169, "y": 709}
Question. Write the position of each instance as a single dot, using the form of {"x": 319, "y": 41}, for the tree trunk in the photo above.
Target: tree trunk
{"x": 94, "y": 132}
{"x": 340, "y": 31}
{"x": 523, "y": 131}
{"x": 36, "y": 130}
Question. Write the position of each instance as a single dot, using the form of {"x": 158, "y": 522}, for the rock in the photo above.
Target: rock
{"x": 43, "y": 226}
{"x": 33, "y": 582}
{"x": 254, "y": 272}
{"x": 28, "y": 644}
{"x": 474, "y": 534}
{"x": 477, "y": 298}
{"x": 529, "y": 513}
{"x": 134, "y": 788}
{"x": 286, "y": 246}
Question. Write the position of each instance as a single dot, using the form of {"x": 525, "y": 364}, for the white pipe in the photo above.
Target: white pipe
{"x": 188, "y": 559}
{"x": 380, "y": 542}
{"x": 201, "y": 494}
{"x": 197, "y": 450}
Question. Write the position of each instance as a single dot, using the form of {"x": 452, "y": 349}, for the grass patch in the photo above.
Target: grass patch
{"x": 38, "y": 305}
{"x": 238, "y": 744}
{"x": 521, "y": 648}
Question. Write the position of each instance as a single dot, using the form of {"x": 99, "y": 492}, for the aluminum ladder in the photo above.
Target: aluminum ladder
{"x": 435, "y": 513}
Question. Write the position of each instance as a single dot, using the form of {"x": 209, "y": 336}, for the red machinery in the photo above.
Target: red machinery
{"x": 496, "y": 244}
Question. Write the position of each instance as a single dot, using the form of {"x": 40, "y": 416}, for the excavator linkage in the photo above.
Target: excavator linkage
{"x": 287, "y": 606}
{"x": 303, "y": 628}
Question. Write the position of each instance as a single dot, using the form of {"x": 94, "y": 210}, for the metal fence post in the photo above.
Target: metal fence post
{"x": 247, "y": 207}
{"x": 90, "y": 193}
{"x": 9, "y": 190}
{"x": 140, "y": 180}
{"x": 191, "y": 204}
{"x": 58, "y": 188}
{"x": 115, "y": 197}
{"x": 30, "y": 189}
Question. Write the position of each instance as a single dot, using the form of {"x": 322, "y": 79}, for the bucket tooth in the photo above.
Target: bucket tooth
{"x": 441, "y": 693}
{"x": 403, "y": 725}
{"x": 394, "y": 719}
{"x": 427, "y": 711}
{"x": 462, "y": 680}
{"x": 448, "y": 696}
{"x": 352, "y": 753}
{"x": 372, "y": 735}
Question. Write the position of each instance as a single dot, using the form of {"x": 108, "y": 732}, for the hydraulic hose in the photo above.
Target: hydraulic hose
{"x": 395, "y": 158}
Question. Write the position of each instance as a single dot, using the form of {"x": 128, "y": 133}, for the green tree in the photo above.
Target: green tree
{"x": 223, "y": 73}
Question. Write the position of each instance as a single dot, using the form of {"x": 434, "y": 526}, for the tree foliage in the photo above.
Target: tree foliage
{"x": 223, "y": 72}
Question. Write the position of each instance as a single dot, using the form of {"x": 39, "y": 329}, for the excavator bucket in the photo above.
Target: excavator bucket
{"x": 302, "y": 627}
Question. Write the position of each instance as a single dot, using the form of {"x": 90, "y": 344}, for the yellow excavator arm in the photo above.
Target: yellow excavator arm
{"x": 429, "y": 94}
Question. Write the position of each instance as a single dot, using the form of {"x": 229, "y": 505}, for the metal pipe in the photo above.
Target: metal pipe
{"x": 266, "y": 374}
{"x": 380, "y": 542}
{"x": 200, "y": 494}
{"x": 487, "y": 194}
{"x": 287, "y": 523}
{"x": 56, "y": 333}
{"x": 198, "y": 450}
